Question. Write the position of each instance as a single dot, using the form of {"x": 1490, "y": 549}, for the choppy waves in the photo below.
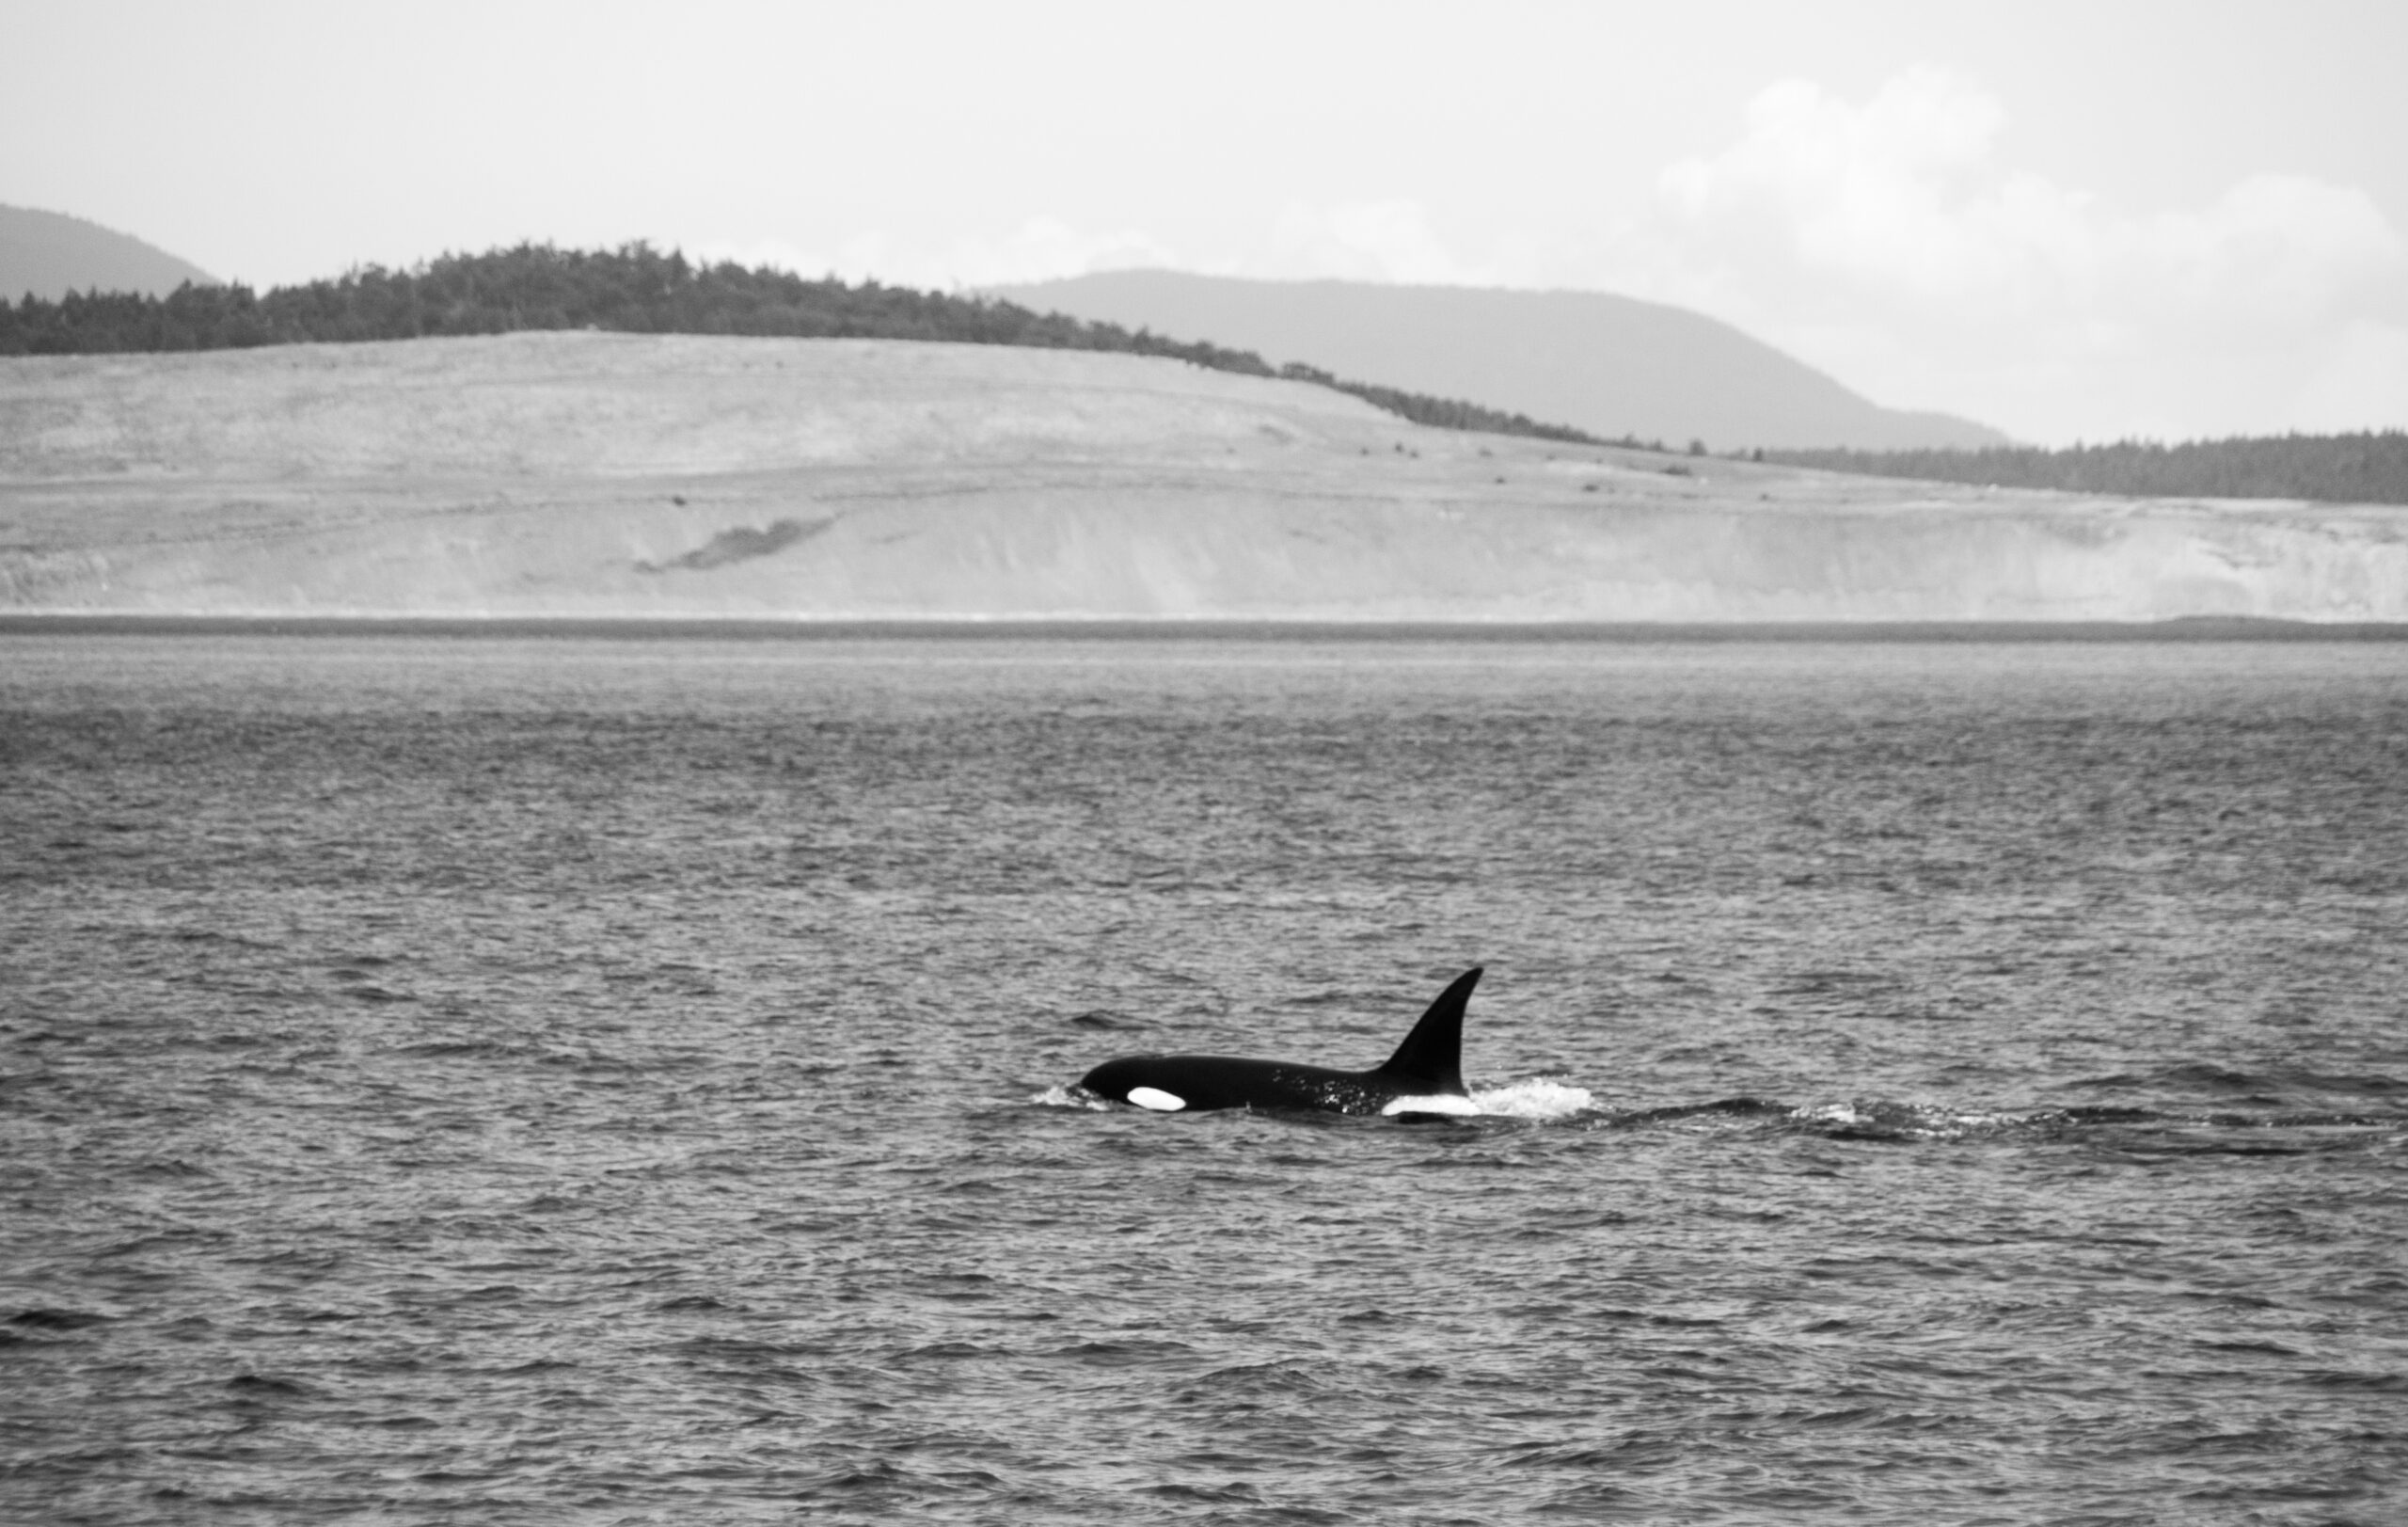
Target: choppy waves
{"x": 540, "y": 1081}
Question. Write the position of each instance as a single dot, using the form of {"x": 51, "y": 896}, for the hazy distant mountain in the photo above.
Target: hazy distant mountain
{"x": 48, "y": 254}
{"x": 1613, "y": 366}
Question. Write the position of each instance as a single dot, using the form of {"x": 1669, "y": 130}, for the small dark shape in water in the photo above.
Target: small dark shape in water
{"x": 1870, "y": 1134}
{"x": 1739, "y": 1107}
{"x": 2119, "y": 1081}
{"x": 39, "y": 1319}
{"x": 1237, "y": 1492}
{"x": 2102, "y": 1114}
{"x": 1101, "y": 1020}
{"x": 255, "y": 1384}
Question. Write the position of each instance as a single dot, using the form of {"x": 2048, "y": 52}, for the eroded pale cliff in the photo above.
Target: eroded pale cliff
{"x": 593, "y": 474}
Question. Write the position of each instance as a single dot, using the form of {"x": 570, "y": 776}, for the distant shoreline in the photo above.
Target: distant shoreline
{"x": 457, "y": 628}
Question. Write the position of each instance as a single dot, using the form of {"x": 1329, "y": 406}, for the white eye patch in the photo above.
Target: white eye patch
{"x": 1156, "y": 1099}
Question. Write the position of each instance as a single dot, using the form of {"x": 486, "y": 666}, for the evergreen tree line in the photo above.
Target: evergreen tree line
{"x": 1447, "y": 413}
{"x": 2366, "y": 468}
{"x": 634, "y": 289}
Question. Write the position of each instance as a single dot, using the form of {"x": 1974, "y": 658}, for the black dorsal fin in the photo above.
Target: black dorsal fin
{"x": 1429, "y": 1062}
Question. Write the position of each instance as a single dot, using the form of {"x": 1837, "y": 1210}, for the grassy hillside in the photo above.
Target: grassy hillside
{"x": 1492, "y": 344}
{"x": 631, "y": 290}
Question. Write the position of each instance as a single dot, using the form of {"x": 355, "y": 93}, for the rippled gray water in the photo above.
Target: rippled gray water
{"x": 588, "y": 1081}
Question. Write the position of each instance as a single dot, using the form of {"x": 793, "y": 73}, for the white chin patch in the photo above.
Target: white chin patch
{"x": 1448, "y": 1103}
{"x": 1156, "y": 1099}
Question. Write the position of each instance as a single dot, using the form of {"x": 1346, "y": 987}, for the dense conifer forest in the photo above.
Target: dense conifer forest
{"x": 634, "y": 289}
{"x": 2367, "y": 467}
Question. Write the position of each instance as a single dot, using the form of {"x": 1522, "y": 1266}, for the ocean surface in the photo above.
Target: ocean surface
{"x": 582, "y": 1081}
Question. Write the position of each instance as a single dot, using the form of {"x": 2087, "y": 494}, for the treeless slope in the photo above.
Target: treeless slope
{"x": 593, "y": 474}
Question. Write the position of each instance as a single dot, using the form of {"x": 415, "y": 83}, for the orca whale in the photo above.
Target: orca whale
{"x": 1425, "y": 1076}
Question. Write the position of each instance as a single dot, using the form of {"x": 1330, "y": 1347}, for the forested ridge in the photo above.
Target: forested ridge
{"x": 634, "y": 289}
{"x": 2366, "y": 468}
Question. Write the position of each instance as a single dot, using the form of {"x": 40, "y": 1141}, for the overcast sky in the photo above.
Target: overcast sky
{"x": 2083, "y": 219}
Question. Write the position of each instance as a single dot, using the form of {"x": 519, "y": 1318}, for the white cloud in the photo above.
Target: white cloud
{"x": 1860, "y": 191}
{"x": 1378, "y": 240}
{"x": 1885, "y": 242}
{"x": 2358, "y": 380}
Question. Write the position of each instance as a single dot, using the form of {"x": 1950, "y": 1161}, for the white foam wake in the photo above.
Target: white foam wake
{"x": 1061, "y": 1096}
{"x": 1538, "y": 1098}
{"x": 1438, "y": 1103}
